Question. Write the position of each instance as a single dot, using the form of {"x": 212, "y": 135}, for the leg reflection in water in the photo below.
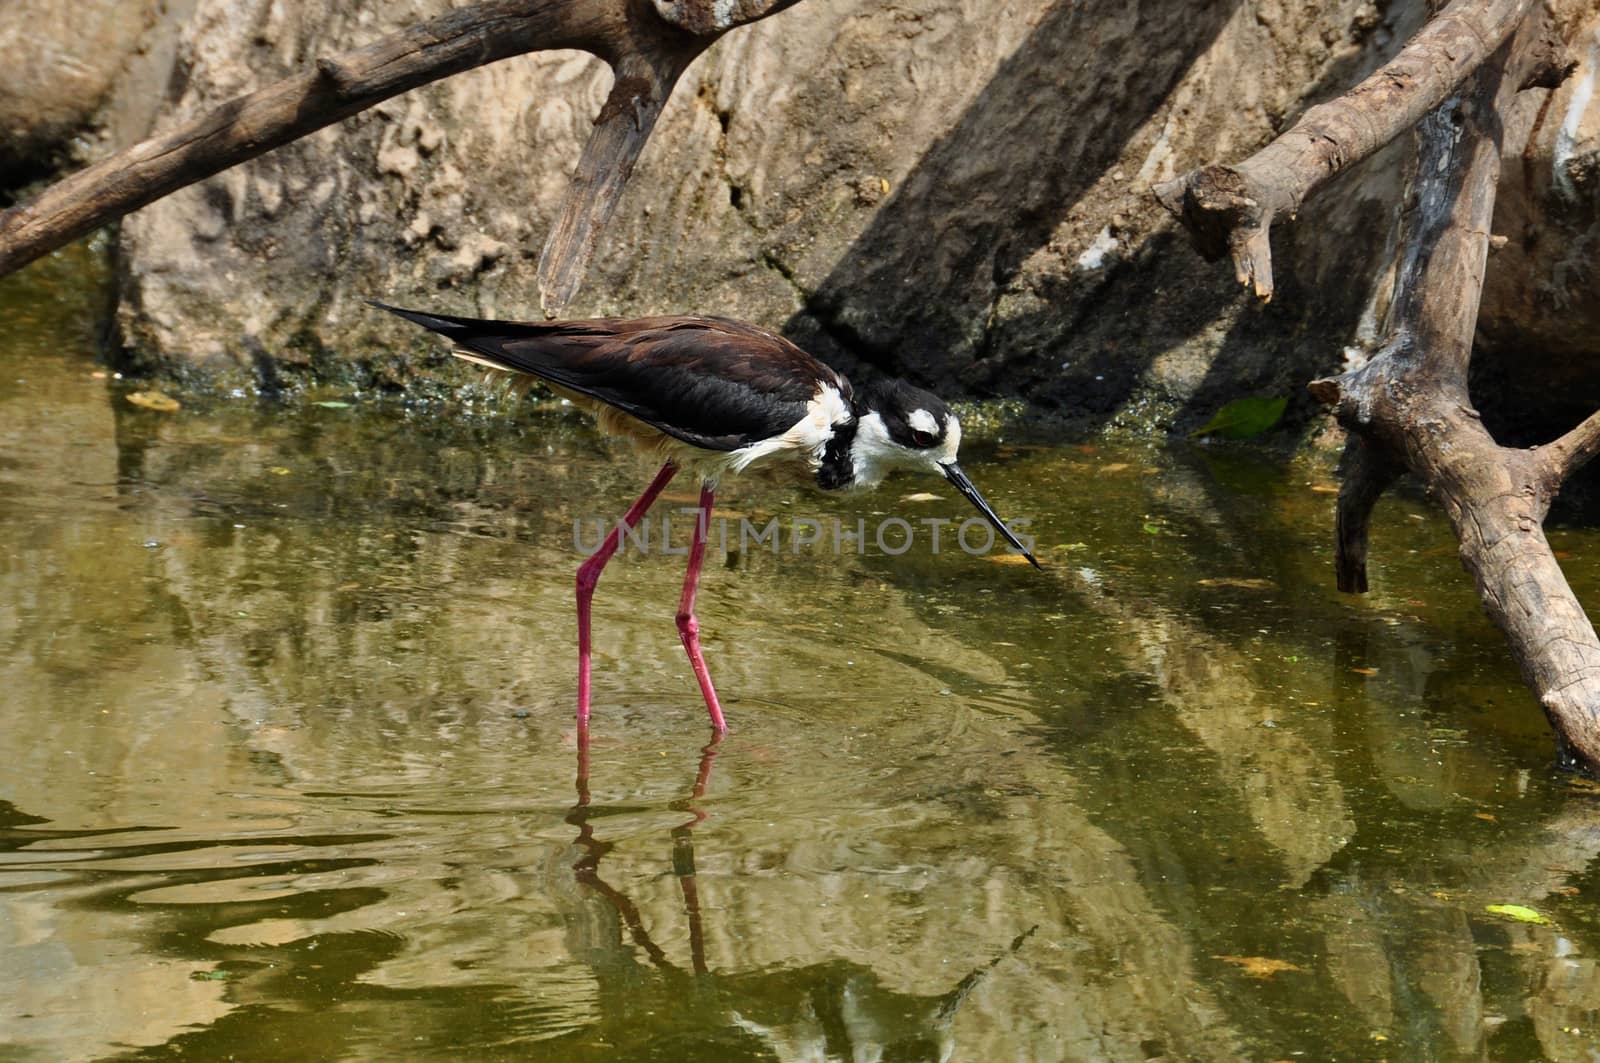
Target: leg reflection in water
{"x": 587, "y": 868}
{"x": 833, "y": 1009}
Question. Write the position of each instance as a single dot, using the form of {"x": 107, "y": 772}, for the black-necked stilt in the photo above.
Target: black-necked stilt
{"x": 718, "y": 396}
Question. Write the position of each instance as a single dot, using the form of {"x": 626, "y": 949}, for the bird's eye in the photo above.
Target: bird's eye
{"x": 921, "y": 438}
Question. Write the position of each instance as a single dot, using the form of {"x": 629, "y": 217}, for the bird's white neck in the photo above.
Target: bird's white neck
{"x": 873, "y": 455}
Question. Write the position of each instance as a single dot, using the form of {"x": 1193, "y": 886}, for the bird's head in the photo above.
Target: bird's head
{"x": 899, "y": 426}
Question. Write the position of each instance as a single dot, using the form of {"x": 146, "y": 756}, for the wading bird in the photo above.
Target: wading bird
{"x": 717, "y": 396}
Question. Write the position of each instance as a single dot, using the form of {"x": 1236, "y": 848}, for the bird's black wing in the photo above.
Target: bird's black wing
{"x": 708, "y": 381}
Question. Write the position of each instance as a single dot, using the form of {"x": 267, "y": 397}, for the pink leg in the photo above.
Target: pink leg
{"x": 589, "y": 575}
{"x": 688, "y": 626}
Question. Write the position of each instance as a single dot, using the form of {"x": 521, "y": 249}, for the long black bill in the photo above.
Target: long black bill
{"x": 953, "y": 473}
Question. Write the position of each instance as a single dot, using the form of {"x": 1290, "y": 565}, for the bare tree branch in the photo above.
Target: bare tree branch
{"x": 638, "y": 94}
{"x": 1573, "y": 451}
{"x": 644, "y": 80}
{"x": 1230, "y": 209}
{"x": 647, "y": 46}
{"x": 250, "y": 125}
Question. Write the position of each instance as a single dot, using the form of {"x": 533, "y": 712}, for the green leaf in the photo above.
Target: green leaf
{"x": 1520, "y": 913}
{"x": 1244, "y": 418}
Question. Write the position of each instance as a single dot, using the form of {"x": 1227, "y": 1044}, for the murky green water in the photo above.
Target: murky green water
{"x": 289, "y": 766}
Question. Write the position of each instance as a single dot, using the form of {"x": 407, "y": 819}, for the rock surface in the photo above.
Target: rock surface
{"x": 950, "y": 189}
{"x": 63, "y": 61}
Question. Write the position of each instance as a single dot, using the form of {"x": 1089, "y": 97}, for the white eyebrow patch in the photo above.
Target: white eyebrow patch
{"x": 922, "y": 421}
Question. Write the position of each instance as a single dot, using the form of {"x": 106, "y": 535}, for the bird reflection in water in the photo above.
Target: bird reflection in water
{"x": 832, "y": 1010}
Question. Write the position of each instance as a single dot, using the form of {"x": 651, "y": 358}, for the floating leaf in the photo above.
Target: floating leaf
{"x": 1259, "y": 966}
{"x": 159, "y": 401}
{"x": 332, "y": 404}
{"x": 1008, "y": 559}
{"x": 1520, "y": 912}
{"x": 1244, "y": 418}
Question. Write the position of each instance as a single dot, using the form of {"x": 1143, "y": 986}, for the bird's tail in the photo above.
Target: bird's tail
{"x": 440, "y": 323}
{"x": 464, "y": 331}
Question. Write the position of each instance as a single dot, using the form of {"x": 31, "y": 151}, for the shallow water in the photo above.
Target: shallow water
{"x": 290, "y": 770}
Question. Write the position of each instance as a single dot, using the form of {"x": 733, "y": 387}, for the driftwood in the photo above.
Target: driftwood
{"x": 1408, "y": 408}
{"x": 648, "y": 46}
{"x": 1230, "y": 209}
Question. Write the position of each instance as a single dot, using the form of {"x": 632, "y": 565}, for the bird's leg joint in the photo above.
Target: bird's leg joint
{"x": 589, "y": 576}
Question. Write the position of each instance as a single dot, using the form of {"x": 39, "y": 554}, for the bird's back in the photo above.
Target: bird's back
{"x": 711, "y": 382}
